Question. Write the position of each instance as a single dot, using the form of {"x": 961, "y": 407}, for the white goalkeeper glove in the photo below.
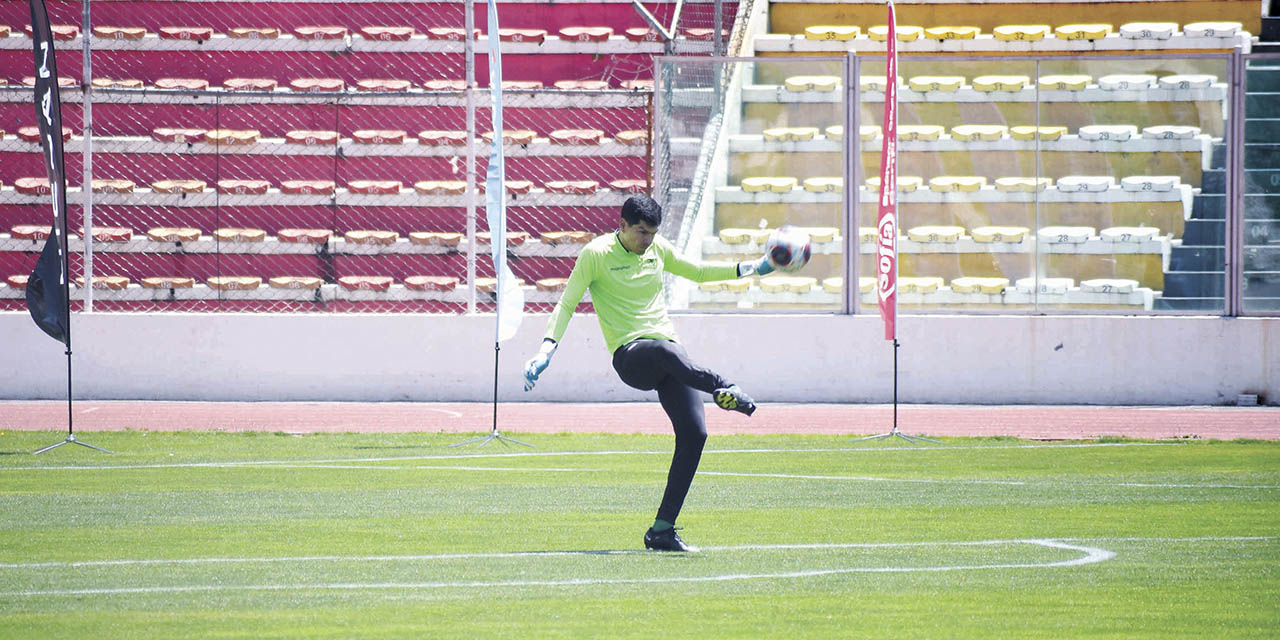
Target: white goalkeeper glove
{"x": 538, "y": 363}
{"x": 760, "y": 267}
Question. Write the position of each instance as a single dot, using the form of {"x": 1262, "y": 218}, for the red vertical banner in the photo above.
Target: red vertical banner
{"x": 887, "y": 216}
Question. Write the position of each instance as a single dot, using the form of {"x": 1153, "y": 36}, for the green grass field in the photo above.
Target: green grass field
{"x": 188, "y": 535}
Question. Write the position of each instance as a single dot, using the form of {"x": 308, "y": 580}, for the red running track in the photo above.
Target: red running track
{"x": 1034, "y": 422}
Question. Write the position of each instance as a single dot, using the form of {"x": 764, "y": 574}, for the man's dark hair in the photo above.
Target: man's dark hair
{"x": 642, "y": 208}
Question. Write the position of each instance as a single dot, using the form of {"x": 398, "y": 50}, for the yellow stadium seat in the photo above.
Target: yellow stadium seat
{"x": 1109, "y": 285}
{"x": 1056, "y": 286}
{"x": 790, "y": 134}
{"x": 797, "y": 284}
{"x": 1129, "y": 234}
{"x": 936, "y": 83}
{"x": 1072, "y": 82}
{"x": 1012, "y": 235}
{"x": 918, "y": 284}
{"x": 926, "y": 132}
{"x": 1031, "y": 132}
{"x": 1126, "y": 81}
{"x": 1021, "y": 32}
{"x": 979, "y": 132}
{"x": 1112, "y": 132}
{"x": 1211, "y": 29}
{"x": 737, "y": 286}
{"x": 906, "y": 184}
{"x": 957, "y": 183}
{"x": 733, "y": 235}
{"x": 935, "y": 233}
{"x": 866, "y": 284}
{"x": 1091, "y": 184}
{"x": 868, "y": 132}
{"x": 833, "y": 284}
{"x": 824, "y": 185}
{"x": 867, "y": 234}
{"x": 1016, "y": 183}
{"x": 812, "y": 83}
{"x": 769, "y": 184}
{"x": 1000, "y": 83}
{"x": 831, "y": 32}
{"x": 1082, "y": 31}
{"x": 834, "y": 132}
{"x": 952, "y": 33}
{"x": 903, "y": 33}
{"x": 1066, "y": 235}
{"x": 970, "y": 284}
{"x": 874, "y": 82}
{"x": 1148, "y": 30}
{"x": 821, "y": 234}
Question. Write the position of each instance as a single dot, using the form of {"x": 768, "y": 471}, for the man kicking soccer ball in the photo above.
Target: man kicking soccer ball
{"x": 623, "y": 270}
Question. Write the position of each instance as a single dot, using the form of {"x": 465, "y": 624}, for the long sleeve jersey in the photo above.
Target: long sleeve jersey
{"x": 626, "y": 289}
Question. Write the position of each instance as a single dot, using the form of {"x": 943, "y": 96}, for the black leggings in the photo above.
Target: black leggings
{"x": 663, "y": 365}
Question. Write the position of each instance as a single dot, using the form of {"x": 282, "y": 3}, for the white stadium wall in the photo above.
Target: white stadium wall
{"x": 943, "y": 359}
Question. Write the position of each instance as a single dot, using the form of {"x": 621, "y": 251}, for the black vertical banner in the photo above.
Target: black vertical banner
{"x": 47, "y": 288}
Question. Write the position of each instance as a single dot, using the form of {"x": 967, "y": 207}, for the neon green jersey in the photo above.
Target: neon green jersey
{"x": 626, "y": 289}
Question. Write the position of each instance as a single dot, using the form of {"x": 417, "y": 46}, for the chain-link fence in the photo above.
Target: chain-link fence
{"x": 313, "y": 156}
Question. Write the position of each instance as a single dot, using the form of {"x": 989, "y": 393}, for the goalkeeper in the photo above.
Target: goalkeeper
{"x": 623, "y": 271}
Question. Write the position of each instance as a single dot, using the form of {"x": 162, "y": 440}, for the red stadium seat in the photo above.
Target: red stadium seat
{"x": 32, "y": 186}
{"x": 377, "y": 237}
{"x": 449, "y": 33}
{"x": 122, "y": 83}
{"x": 521, "y": 84}
{"x": 111, "y": 234}
{"x": 295, "y": 282}
{"x": 374, "y": 187}
{"x": 435, "y": 238}
{"x": 178, "y": 186}
{"x": 243, "y": 187}
{"x": 317, "y": 85}
{"x": 249, "y": 84}
{"x": 173, "y": 234}
{"x": 239, "y": 234}
{"x": 186, "y": 33}
{"x": 440, "y": 187}
{"x": 577, "y": 137}
{"x": 105, "y": 185}
{"x": 632, "y": 137}
{"x": 63, "y": 81}
{"x": 442, "y": 138}
{"x": 32, "y": 134}
{"x": 366, "y": 283}
{"x": 304, "y": 236}
{"x": 586, "y": 34}
{"x": 514, "y": 238}
{"x": 106, "y": 282}
{"x": 234, "y": 283}
{"x": 120, "y": 33}
{"x": 536, "y": 36}
{"x": 232, "y": 136}
{"x": 630, "y": 185}
{"x": 444, "y": 85}
{"x": 308, "y": 187}
{"x": 642, "y": 34}
{"x": 512, "y": 136}
{"x": 168, "y": 282}
{"x": 186, "y": 84}
{"x": 387, "y": 34}
{"x": 311, "y": 138}
{"x": 374, "y": 85}
{"x": 582, "y": 85}
{"x": 378, "y": 136}
{"x": 320, "y": 33}
{"x": 576, "y": 187}
{"x": 254, "y": 33}
{"x": 167, "y": 134}
{"x": 431, "y": 283}
{"x": 566, "y": 237}
{"x": 59, "y": 31}
{"x": 30, "y": 232}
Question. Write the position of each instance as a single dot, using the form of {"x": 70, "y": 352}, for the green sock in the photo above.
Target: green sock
{"x": 662, "y": 525}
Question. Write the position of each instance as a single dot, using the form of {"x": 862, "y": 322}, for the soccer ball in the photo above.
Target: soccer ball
{"x": 787, "y": 248}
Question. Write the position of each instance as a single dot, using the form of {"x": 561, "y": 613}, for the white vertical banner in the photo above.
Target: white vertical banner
{"x": 509, "y": 296}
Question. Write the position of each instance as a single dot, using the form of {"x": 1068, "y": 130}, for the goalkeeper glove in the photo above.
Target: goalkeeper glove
{"x": 538, "y": 363}
{"x": 759, "y": 267}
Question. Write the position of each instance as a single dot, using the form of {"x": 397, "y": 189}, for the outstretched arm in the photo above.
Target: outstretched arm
{"x": 574, "y": 289}
{"x": 706, "y": 271}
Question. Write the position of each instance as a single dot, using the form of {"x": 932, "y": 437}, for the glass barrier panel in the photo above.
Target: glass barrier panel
{"x": 1134, "y": 216}
{"x": 751, "y": 147}
{"x": 1261, "y": 285}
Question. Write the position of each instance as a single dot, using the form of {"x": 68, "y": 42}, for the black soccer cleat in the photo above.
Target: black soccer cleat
{"x": 667, "y": 540}
{"x": 731, "y": 398}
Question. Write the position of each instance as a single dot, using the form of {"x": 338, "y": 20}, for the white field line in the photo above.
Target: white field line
{"x": 798, "y": 476}
{"x": 1091, "y": 555}
{"x": 427, "y": 557}
{"x": 540, "y": 454}
{"x": 429, "y": 467}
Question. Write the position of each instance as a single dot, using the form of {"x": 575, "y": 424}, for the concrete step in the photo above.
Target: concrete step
{"x": 1194, "y": 284}
{"x": 1197, "y": 258}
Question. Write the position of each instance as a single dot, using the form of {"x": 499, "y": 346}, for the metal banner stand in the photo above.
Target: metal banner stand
{"x": 493, "y": 434}
{"x": 894, "y": 432}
